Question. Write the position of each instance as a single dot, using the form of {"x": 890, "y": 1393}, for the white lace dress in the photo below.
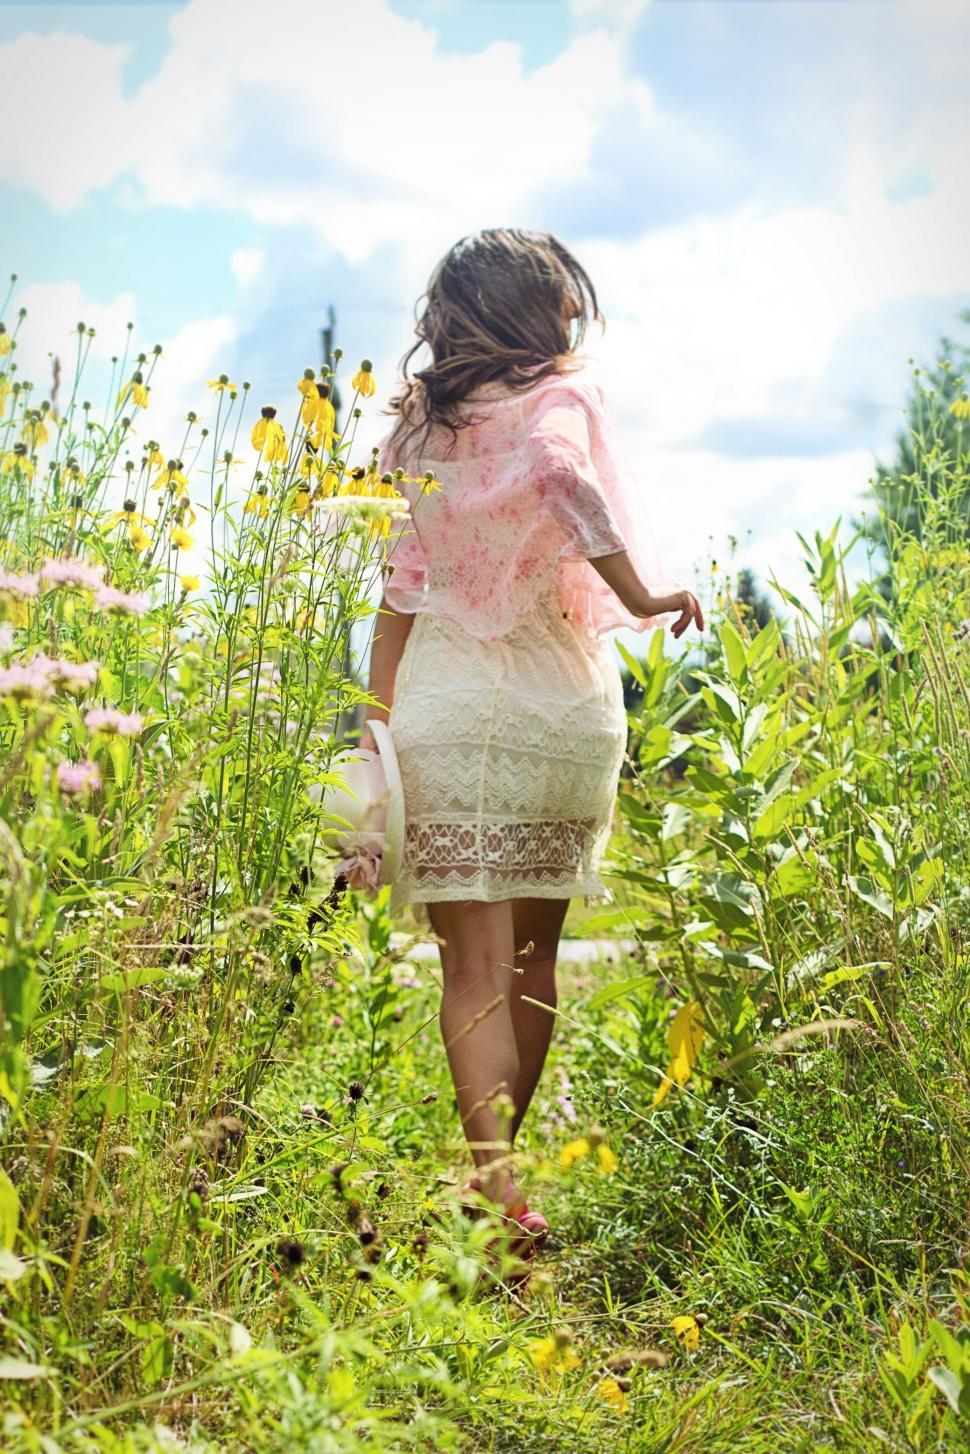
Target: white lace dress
{"x": 510, "y": 753}
{"x": 507, "y": 716}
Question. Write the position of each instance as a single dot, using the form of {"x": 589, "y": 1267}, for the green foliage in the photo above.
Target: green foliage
{"x": 228, "y": 1135}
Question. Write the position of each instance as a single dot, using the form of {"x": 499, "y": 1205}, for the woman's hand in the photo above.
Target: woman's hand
{"x": 617, "y": 571}
{"x": 690, "y": 610}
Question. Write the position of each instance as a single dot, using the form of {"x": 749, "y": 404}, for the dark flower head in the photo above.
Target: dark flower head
{"x": 292, "y": 1252}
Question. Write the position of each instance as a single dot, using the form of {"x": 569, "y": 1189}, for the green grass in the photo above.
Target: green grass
{"x": 229, "y": 1138}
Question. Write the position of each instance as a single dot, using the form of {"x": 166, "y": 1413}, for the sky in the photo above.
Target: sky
{"x": 770, "y": 197}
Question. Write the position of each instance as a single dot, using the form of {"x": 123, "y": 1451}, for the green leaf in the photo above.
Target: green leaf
{"x": 870, "y": 893}
{"x": 951, "y": 1386}
{"x": 20, "y": 1368}
{"x": 734, "y": 653}
{"x": 620, "y": 990}
{"x": 12, "y": 1268}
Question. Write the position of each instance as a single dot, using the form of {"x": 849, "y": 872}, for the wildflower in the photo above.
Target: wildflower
{"x": 363, "y": 381}
{"x": 109, "y": 720}
{"x": 68, "y": 572}
{"x": 427, "y": 481}
{"x": 6, "y": 342}
{"x": 26, "y": 682}
{"x": 154, "y": 459}
{"x": 572, "y": 1152}
{"x": 300, "y": 504}
{"x": 172, "y": 478}
{"x": 684, "y": 1038}
{"x": 72, "y": 674}
{"x": 137, "y": 389}
{"x": 319, "y": 415}
{"x": 365, "y": 510}
{"x": 25, "y": 586}
{"x": 189, "y": 583}
{"x": 18, "y": 459}
{"x": 355, "y": 1090}
{"x": 121, "y": 603}
{"x": 960, "y": 408}
{"x": 610, "y": 1391}
{"x": 686, "y": 1331}
{"x": 4, "y": 392}
{"x": 258, "y": 504}
{"x": 138, "y": 537}
{"x": 606, "y": 1160}
{"x": 553, "y": 1353}
{"x": 221, "y": 385}
{"x": 307, "y": 386}
{"x": 291, "y": 1252}
{"x": 78, "y": 777}
{"x": 181, "y": 539}
{"x": 268, "y": 437}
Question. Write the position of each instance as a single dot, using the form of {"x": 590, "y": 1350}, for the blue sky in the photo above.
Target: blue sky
{"x": 769, "y": 194}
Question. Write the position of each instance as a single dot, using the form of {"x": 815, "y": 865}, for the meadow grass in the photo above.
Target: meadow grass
{"x": 230, "y": 1142}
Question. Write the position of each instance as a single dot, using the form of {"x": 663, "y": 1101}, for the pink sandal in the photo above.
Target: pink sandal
{"x": 535, "y": 1228}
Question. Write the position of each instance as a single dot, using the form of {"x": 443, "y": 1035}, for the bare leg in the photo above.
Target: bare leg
{"x": 539, "y": 921}
{"x": 476, "y": 1024}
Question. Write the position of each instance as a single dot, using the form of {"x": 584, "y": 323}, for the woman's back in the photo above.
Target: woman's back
{"x": 531, "y": 491}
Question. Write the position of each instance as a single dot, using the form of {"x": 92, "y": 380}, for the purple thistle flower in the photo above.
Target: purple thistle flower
{"x": 26, "y": 681}
{"x": 19, "y": 585}
{"x": 70, "y": 572}
{"x": 78, "y": 777}
{"x": 110, "y": 720}
{"x": 124, "y": 603}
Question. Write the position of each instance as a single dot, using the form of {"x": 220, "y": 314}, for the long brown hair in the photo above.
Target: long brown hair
{"x": 496, "y": 309}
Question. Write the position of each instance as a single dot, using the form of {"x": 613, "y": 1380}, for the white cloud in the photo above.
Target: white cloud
{"x": 383, "y": 136}
{"x": 247, "y": 264}
{"x": 65, "y": 115}
{"x": 53, "y": 312}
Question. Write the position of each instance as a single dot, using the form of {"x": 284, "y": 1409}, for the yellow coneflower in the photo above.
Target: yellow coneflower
{"x": 427, "y": 481}
{"x": 138, "y": 537}
{"x": 268, "y": 436}
{"x": 257, "y": 504}
{"x": 319, "y": 415}
{"x": 172, "y": 477}
{"x": 189, "y": 583}
{"x": 221, "y": 385}
{"x": 136, "y": 389}
{"x": 18, "y": 459}
{"x": 553, "y": 1353}
{"x": 154, "y": 459}
{"x": 687, "y": 1331}
{"x": 6, "y": 342}
{"x": 364, "y": 381}
{"x": 300, "y": 504}
{"x": 34, "y": 432}
{"x": 960, "y": 408}
{"x": 4, "y": 393}
{"x": 307, "y": 386}
{"x": 181, "y": 539}
{"x": 611, "y": 1393}
{"x": 572, "y": 1152}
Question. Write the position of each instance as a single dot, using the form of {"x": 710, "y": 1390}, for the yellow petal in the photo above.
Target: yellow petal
{"x": 684, "y": 1038}
{"x": 686, "y": 1331}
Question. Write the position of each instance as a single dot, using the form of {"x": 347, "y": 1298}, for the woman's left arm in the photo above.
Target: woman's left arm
{"x": 390, "y": 637}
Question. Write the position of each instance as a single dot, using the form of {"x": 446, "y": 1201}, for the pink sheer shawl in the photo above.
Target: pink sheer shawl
{"x": 532, "y": 490}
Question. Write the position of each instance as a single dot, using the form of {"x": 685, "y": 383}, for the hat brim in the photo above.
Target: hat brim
{"x": 393, "y": 851}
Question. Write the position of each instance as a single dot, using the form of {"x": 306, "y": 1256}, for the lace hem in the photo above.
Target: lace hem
{"x": 410, "y": 891}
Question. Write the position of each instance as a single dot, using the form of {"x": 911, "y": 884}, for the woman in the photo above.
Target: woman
{"x": 502, "y": 697}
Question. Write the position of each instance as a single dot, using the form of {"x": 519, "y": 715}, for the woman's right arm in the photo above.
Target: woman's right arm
{"x": 618, "y": 572}
{"x": 390, "y": 636}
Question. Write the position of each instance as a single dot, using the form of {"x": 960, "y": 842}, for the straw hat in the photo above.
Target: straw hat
{"x": 393, "y": 850}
